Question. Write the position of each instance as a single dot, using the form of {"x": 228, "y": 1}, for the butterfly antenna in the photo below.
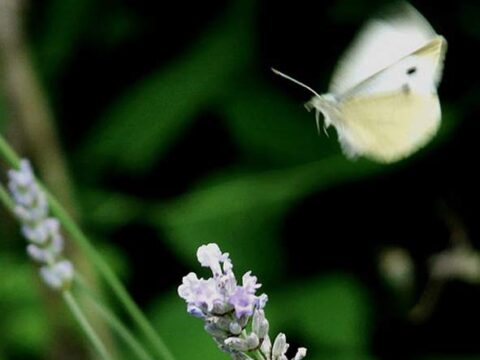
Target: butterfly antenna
{"x": 295, "y": 81}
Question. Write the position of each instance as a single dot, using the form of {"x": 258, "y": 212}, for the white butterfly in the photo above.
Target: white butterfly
{"x": 383, "y": 98}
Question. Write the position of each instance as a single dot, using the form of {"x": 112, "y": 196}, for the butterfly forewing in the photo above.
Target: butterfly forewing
{"x": 383, "y": 41}
{"x": 419, "y": 71}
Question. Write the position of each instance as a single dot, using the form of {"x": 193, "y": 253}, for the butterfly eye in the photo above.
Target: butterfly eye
{"x": 412, "y": 70}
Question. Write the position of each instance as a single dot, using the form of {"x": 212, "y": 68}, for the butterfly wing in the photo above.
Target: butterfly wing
{"x": 395, "y": 112}
{"x": 419, "y": 71}
{"x": 388, "y": 127}
{"x": 383, "y": 41}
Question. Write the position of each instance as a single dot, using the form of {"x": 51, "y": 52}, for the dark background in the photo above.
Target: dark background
{"x": 176, "y": 133}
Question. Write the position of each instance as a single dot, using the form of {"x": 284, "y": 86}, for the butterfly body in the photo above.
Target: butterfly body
{"x": 383, "y": 99}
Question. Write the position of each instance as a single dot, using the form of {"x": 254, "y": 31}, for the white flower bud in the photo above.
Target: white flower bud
{"x": 235, "y": 328}
{"x": 280, "y": 346}
{"x": 252, "y": 341}
{"x": 50, "y": 277}
{"x": 38, "y": 254}
{"x": 37, "y": 234}
{"x": 214, "y": 330}
{"x": 59, "y": 275}
{"x": 56, "y": 245}
{"x": 301, "y": 353}
{"x": 266, "y": 346}
{"x": 237, "y": 343}
{"x": 223, "y": 323}
{"x": 260, "y": 324}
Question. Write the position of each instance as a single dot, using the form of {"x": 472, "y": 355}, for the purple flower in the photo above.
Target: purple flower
{"x": 250, "y": 282}
{"x": 229, "y": 309}
{"x": 243, "y": 302}
{"x": 200, "y": 293}
{"x": 42, "y": 231}
{"x": 211, "y": 256}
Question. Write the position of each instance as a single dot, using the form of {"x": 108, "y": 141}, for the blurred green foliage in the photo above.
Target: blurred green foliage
{"x": 23, "y": 327}
{"x": 154, "y": 112}
{"x": 279, "y": 161}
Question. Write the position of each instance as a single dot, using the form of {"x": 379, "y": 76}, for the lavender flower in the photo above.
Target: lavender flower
{"x": 228, "y": 309}
{"x": 42, "y": 231}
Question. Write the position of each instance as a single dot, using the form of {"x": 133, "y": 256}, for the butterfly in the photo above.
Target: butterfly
{"x": 382, "y": 98}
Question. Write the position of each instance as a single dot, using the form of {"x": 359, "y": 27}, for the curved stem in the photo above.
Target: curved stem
{"x": 111, "y": 279}
{"x": 8, "y": 154}
{"x": 114, "y": 322}
{"x": 85, "y": 325}
{"x": 5, "y": 199}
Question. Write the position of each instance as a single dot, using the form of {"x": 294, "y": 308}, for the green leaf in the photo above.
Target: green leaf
{"x": 147, "y": 120}
{"x": 64, "y": 23}
{"x": 242, "y": 212}
{"x": 183, "y": 333}
{"x": 110, "y": 210}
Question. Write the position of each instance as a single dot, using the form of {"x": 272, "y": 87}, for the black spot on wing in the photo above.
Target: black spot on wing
{"x": 411, "y": 70}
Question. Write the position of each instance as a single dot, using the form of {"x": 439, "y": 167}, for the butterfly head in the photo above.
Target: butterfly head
{"x": 327, "y": 106}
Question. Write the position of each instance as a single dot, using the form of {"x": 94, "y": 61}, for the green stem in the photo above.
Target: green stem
{"x": 6, "y": 199}
{"x": 258, "y": 355}
{"x": 85, "y": 325}
{"x": 111, "y": 279}
{"x": 114, "y": 322}
{"x": 8, "y": 154}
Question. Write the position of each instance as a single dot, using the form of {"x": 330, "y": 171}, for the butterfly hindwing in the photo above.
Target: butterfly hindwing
{"x": 388, "y": 127}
